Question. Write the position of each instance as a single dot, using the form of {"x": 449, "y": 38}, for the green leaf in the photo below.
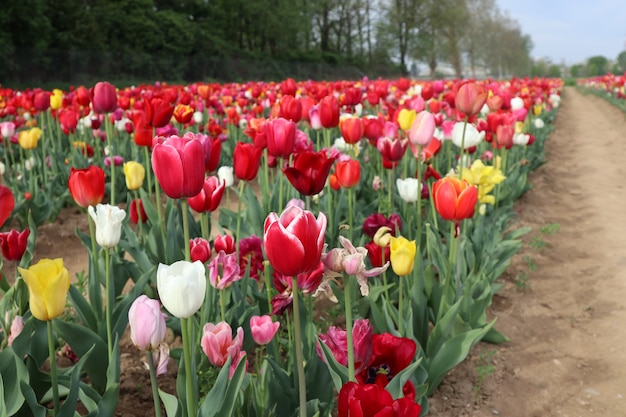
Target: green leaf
{"x": 69, "y": 404}
{"x": 36, "y": 409}
{"x": 338, "y": 372}
{"x": 220, "y": 401}
{"x": 83, "y": 340}
{"x": 170, "y": 402}
{"x": 494, "y": 336}
{"x": 452, "y": 352}
{"x": 83, "y": 309}
{"x": 397, "y": 383}
{"x": 13, "y": 372}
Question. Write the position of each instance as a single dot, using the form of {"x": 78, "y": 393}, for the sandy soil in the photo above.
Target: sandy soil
{"x": 563, "y": 301}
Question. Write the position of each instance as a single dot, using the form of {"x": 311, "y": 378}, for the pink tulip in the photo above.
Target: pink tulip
{"x": 224, "y": 270}
{"x": 421, "y": 132}
{"x": 103, "y": 97}
{"x": 263, "y": 329}
{"x": 337, "y": 342}
{"x": 147, "y": 323}
{"x": 218, "y": 342}
{"x": 178, "y": 164}
{"x": 470, "y": 98}
{"x": 17, "y": 325}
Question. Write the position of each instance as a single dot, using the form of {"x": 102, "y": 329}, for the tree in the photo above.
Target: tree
{"x": 621, "y": 61}
{"x": 597, "y": 65}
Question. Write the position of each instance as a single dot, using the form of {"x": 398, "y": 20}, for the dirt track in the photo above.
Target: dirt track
{"x": 567, "y": 355}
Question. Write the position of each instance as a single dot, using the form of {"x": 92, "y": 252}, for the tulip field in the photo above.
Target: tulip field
{"x": 274, "y": 248}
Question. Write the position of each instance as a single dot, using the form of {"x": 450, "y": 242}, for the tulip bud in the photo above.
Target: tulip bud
{"x": 200, "y": 250}
{"x": 108, "y": 221}
{"x": 402, "y": 255}
{"x": 263, "y": 329}
{"x": 17, "y": 325}
{"x": 48, "y": 282}
{"x": 181, "y": 287}
{"x": 135, "y": 173}
{"x": 147, "y": 323}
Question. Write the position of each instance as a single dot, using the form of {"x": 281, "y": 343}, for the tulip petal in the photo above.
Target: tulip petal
{"x": 284, "y": 250}
{"x": 445, "y": 200}
{"x": 466, "y": 203}
{"x": 168, "y": 168}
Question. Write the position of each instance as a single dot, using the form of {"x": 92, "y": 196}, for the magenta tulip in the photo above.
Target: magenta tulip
{"x": 103, "y": 97}
{"x": 178, "y": 164}
{"x": 281, "y": 136}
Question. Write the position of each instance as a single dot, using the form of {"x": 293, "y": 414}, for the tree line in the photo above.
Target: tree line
{"x": 235, "y": 40}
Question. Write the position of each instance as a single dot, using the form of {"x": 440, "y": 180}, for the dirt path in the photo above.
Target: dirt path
{"x": 567, "y": 355}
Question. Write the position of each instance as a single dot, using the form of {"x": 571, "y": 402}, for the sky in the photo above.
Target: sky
{"x": 570, "y": 31}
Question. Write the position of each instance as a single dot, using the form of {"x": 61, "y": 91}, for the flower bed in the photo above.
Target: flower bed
{"x": 392, "y": 199}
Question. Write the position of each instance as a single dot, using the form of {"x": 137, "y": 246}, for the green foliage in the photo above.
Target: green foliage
{"x": 484, "y": 369}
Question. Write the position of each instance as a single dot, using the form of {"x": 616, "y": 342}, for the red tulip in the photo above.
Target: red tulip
{"x": 200, "y": 250}
{"x": 470, "y": 98}
{"x": 209, "y": 197}
{"x": 351, "y": 129}
{"x": 224, "y": 243}
{"x": 309, "y": 172}
{"x": 329, "y": 111}
{"x": 375, "y": 253}
{"x": 178, "y": 164}
{"x": 137, "y": 216}
{"x": 281, "y": 136}
{"x": 454, "y": 199}
{"x": 390, "y": 355}
{"x": 41, "y": 101}
{"x": 504, "y": 136}
{"x": 158, "y": 112}
{"x": 291, "y": 108}
{"x": 143, "y": 131}
{"x": 68, "y": 118}
{"x": 183, "y": 113}
{"x": 103, "y": 97}
{"x": 288, "y": 87}
{"x": 373, "y": 128}
{"x": 82, "y": 96}
{"x": 246, "y": 161}
{"x": 294, "y": 241}
{"x": 392, "y": 149}
{"x": 87, "y": 185}
{"x": 370, "y": 400}
{"x": 13, "y": 244}
{"x": 348, "y": 173}
{"x": 7, "y": 203}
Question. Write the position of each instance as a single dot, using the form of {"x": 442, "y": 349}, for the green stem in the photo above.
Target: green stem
{"x": 148, "y": 169}
{"x": 53, "y": 368}
{"x": 109, "y": 303}
{"x": 268, "y": 286}
{"x": 350, "y": 209}
{"x": 389, "y": 189}
{"x": 223, "y": 304}
{"x": 153, "y": 383}
{"x": 242, "y": 185}
{"x": 385, "y": 275}
{"x": 139, "y": 217}
{"x": 94, "y": 255}
{"x": 109, "y": 134}
{"x": 157, "y": 191}
{"x": 348, "y": 305}
{"x": 185, "y": 210}
{"x": 280, "y": 184}
{"x": 266, "y": 182}
{"x": 400, "y": 302}
{"x": 459, "y": 252}
{"x": 298, "y": 343}
{"x": 452, "y": 255}
{"x": 418, "y": 219}
{"x": 462, "y": 149}
{"x": 44, "y": 152}
{"x": 189, "y": 381}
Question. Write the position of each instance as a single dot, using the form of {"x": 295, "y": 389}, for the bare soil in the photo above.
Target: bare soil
{"x": 563, "y": 301}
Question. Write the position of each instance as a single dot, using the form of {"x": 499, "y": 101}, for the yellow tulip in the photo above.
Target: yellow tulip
{"x": 56, "y": 99}
{"x": 484, "y": 177}
{"x": 402, "y": 255}
{"x": 537, "y": 109}
{"x": 28, "y": 139}
{"x": 405, "y": 118}
{"x": 48, "y": 283}
{"x": 135, "y": 173}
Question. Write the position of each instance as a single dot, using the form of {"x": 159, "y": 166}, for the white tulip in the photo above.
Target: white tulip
{"x": 472, "y": 136}
{"x": 30, "y": 163}
{"x": 226, "y": 175}
{"x": 108, "y": 221}
{"x": 198, "y": 116}
{"x": 521, "y": 139}
{"x": 539, "y": 124}
{"x": 517, "y": 103}
{"x": 181, "y": 287}
{"x": 409, "y": 189}
{"x": 2, "y": 169}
